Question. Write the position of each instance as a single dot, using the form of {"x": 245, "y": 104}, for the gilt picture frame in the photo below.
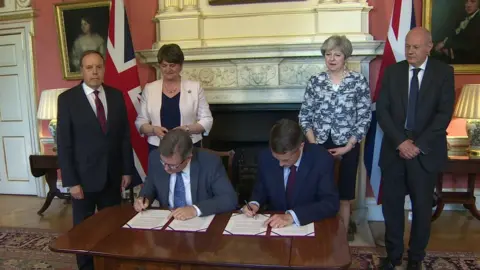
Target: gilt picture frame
{"x": 81, "y": 26}
{"x": 242, "y": 2}
{"x": 453, "y": 28}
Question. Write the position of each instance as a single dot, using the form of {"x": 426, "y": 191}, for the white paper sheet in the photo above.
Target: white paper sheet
{"x": 197, "y": 224}
{"x": 293, "y": 230}
{"x": 240, "y": 224}
{"x": 149, "y": 219}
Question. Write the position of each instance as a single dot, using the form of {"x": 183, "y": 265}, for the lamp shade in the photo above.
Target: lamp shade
{"x": 47, "y": 108}
{"x": 468, "y": 105}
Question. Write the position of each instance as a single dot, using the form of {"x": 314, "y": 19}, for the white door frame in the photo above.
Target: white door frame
{"x": 25, "y": 28}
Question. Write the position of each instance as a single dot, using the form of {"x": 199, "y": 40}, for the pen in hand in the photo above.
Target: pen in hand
{"x": 250, "y": 208}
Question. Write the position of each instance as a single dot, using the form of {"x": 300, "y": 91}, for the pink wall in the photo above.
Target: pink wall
{"x": 47, "y": 52}
{"x": 48, "y": 63}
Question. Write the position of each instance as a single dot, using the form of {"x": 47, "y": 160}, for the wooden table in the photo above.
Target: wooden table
{"x": 114, "y": 247}
{"x": 47, "y": 165}
{"x": 459, "y": 165}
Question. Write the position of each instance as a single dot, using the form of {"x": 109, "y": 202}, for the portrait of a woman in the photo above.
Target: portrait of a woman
{"x": 89, "y": 39}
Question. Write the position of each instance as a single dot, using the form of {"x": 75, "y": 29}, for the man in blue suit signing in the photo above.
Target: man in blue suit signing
{"x": 190, "y": 181}
{"x": 294, "y": 177}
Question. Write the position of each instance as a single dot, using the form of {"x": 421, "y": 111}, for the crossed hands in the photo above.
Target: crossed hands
{"x": 408, "y": 150}
{"x": 275, "y": 221}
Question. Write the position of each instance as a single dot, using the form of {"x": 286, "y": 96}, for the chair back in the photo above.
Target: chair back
{"x": 228, "y": 155}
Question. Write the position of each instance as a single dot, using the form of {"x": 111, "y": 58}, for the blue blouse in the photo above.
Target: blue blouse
{"x": 170, "y": 111}
{"x": 339, "y": 113}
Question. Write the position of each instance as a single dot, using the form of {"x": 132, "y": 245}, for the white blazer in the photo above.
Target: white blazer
{"x": 193, "y": 108}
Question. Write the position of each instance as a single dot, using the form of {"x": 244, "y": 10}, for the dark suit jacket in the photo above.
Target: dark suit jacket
{"x": 86, "y": 155}
{"x": 434, "y": 111}
{"x": 211, "y": 189}
{"x": 315, "y": 195}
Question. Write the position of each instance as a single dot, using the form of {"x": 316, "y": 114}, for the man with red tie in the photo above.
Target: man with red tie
{"x": 294, "y": 176}
{"x": 93, "y": 137}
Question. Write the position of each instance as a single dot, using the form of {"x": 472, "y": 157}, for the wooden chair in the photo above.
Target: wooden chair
{"x": 225, "y": 154}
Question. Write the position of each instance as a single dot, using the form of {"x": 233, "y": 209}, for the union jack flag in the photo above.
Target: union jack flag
{"x": 121, "y": 72}
{"x": 402, "y": 20}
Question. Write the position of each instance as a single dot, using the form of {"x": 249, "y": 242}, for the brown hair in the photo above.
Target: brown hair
{"x": 285, "y": 136}
{"x": 170, "y": 53}
{"x": 176, "y": 141}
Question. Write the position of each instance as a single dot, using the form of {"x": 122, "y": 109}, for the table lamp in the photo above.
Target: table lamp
{"x": 468, "y": 107}
{"x": 47, "y": 110}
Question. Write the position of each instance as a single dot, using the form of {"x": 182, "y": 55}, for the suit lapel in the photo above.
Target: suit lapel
{"x": 278, "y": 182}
{"x": 85, "y": 104}
{"x": 404, "y": 87}
{"x": 425, "y": 85}
{"x": 164, "y": 187}
{"x": 110, "y": 106}
{"x": 302, "y": 173}
{"x": 194, "y": 171}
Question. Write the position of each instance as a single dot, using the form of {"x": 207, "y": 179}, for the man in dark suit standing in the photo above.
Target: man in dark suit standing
{"x": 414, "y": 109}
{"x": 191, "y": 181}
{"x": 94, "y": 151}
{"x": 295, "y": 177}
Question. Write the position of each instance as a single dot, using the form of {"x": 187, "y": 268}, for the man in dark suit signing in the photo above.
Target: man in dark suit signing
{"x": 189, "y": 180}
{"x": 295, "y": 177}
{"x": 94, "y": 151}
{"x": 414, "y": 109}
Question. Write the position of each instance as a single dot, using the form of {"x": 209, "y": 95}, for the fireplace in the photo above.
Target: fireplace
{"x": 245, "y": 129}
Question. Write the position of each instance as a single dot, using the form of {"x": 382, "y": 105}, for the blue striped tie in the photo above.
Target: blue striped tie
{"x": 179, "y": 199}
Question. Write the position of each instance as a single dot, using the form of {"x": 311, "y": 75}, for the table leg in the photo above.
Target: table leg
{"x": 440, "y": 203}
{"x": 471, "y": 192}
{"x": 51, "y": 177}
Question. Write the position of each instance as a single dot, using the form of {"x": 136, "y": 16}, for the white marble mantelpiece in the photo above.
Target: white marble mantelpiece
{"x": 260, "y": 74}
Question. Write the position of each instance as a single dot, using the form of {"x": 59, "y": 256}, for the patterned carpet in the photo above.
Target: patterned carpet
{"x": 28, "y": 249}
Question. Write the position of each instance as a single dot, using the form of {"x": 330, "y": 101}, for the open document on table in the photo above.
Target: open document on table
{"x": 196, "y": 224}
{"x": 149, "y": 219}
{"x": 293, "y": 230}
{"x": 240, "y": 224}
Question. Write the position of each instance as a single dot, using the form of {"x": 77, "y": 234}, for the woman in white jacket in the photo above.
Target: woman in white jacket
{"x": 173, "y": 102}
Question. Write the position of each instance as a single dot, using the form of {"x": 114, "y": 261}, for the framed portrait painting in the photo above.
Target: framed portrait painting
{"x": 81, "y": 26}
{"x": 455, "y": 28}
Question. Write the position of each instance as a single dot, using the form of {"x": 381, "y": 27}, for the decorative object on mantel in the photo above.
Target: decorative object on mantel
{"x": 468, "y": 107}
{"x": 47, "y": 110}
{"x": 241, "y": 2}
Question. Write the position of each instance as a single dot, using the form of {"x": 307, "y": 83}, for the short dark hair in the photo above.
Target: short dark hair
{"x": 88, "y": 52}
{"x": 176, "y": 141}
{"x": 170, "y": 53}
{"x": 285, "y": 136}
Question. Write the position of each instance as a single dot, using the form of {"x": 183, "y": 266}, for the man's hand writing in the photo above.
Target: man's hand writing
{"x": 141, "y": 204}
{"x": 279, "y": 221}
{"x": 183, "y": 213}
{"x": 247, "y": 211}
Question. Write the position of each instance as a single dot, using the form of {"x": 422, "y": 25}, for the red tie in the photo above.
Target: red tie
{"x": 100, "y": 112}
{"x": 290, "y": 184}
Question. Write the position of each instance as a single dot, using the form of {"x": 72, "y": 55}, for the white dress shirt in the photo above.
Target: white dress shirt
{"x": 89, "y": 92}
{"x": 188, "y": 190}
{"x": 419, "y": 76}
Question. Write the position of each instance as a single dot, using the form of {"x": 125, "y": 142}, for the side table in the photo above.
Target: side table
{"x": 458, "y": 165}
{"x": 47, "y": 165}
